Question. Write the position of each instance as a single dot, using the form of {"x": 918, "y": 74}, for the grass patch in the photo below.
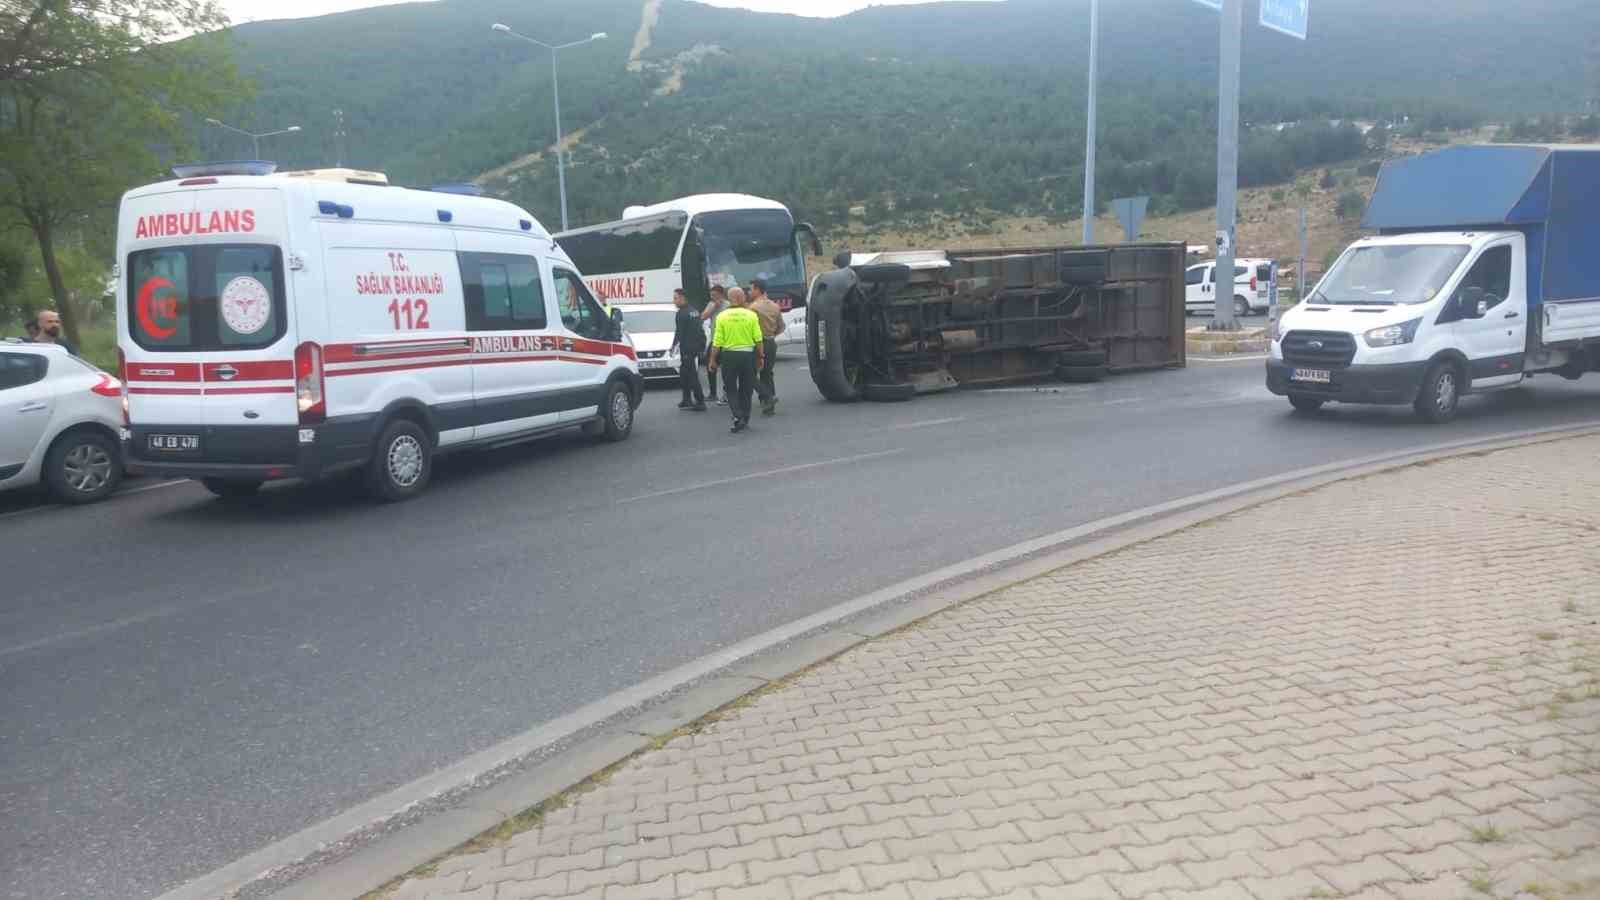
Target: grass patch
{"x": 1487, "y": 834}
{"x": 1481, "y": 882}
{"x": 1546, "y": 635}
{"x": 1540, "y": 890}
{"x": 1571, "y": 606}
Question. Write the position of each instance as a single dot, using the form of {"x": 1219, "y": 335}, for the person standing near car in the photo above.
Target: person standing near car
{"x": 737, "y": 349}
{"x": 50, "y": 330}
{"x": 719, "y": 302}
{"x": 772, "y": 325}
{"x": 690, "y": 341}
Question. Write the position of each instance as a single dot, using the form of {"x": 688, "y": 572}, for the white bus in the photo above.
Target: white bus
{"x": 694, "y": 243}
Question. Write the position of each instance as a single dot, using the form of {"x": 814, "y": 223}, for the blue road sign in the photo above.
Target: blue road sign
{"x": 1287, "y": 16}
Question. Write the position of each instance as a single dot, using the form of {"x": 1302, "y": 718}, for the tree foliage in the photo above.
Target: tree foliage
{"x": 89, "y": 107}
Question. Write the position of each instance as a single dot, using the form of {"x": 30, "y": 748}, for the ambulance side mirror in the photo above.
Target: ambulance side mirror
{"x": 616, "y": 325}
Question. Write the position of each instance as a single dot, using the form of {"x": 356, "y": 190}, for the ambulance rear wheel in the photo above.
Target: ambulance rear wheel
{"x": 232, "y": 488}
{"x": 401, "y": 464}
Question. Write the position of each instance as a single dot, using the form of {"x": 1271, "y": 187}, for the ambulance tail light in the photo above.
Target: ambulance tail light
{"x": 122, "y": 385}
{"x": 308, "y": 383}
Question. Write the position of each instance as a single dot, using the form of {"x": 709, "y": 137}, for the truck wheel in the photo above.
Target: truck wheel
{"x": 1082, "y": 374}
{"x": 232, "y": 488}
{"x": 836, "y": 378}
{"x": 1440, "y": 394}
{"x": 1241, "y": 307}
{"x": 1302, "y": 403}
{"x": 401, "y": 464}
{"x": 83, "y": 466}
{"x": 889, "y": 393}
{"x": 616, "y": 414}
{"x": 1081, "y": 358}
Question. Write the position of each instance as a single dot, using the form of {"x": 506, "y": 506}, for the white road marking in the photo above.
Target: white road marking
{"x": 766, "y": 474}
{"x": 926, "y": 423}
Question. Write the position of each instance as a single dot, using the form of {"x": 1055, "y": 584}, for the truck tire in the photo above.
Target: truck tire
{"x": 83, "y": 466}
{"x": 401, "y": 464}
{"x": 882, "y": 392}
{"x": 1081, "y": 358}
{"x": 1302, "y": 403}
{"x": 825, "y": 337}
{"x": 232, "y": 488}
{"x": 1440, "y": 395}
{"x": 1082, "y": 374}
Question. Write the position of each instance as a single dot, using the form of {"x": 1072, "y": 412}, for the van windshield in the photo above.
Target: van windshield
{"x": 213, "y": 297}
{"x": 1391, "y": 274}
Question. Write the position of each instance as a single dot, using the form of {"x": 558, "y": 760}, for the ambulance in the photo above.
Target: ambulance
{"x": 307, "y": 324}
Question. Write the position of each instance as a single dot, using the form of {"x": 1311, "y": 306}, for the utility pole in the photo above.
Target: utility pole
{"x": 1227, "y": 164}
{"x": 1300, "y": 266}
{"x": 338, "y": 138}
{"x": 1088, "y": 152}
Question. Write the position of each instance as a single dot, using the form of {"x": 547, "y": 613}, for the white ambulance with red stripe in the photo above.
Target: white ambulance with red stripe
{"x": 299, "y": 325}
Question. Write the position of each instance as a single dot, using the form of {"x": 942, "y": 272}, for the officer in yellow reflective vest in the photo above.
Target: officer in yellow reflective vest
{"x": 736, "y": 349}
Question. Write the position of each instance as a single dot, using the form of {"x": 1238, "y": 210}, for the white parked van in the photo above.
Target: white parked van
{"x": 299, "y": 325}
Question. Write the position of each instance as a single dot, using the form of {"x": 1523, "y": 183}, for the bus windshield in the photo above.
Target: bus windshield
{"x": 745, "y": 244}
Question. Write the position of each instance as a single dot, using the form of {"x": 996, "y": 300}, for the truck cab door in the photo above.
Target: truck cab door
{"x": 1496, "y": 341}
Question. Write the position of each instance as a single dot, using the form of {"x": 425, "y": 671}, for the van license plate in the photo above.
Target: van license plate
{"x": 1315, "y": 376}
{"x": 174, "y": 443}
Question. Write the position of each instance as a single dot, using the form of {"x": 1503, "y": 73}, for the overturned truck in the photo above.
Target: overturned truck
{"x": 888, "y": 326}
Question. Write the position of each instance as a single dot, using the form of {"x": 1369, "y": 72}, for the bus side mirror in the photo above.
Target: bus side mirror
{"x": 816, "y": 243}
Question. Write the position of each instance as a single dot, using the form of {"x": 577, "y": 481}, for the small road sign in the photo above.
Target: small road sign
{"x": 1286, "y": 16}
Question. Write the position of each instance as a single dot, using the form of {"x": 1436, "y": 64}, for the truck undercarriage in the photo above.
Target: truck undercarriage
{"x": 892, "y": 325}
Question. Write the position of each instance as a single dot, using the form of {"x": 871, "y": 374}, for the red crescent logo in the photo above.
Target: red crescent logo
{"x": 146, "y": 320}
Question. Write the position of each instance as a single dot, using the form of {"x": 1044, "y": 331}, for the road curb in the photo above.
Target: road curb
{"x": 371, "y": 844}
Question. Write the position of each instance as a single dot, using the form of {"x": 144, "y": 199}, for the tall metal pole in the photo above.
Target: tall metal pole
{"x": 256, "y": 140}
{"x": 1300, "y": 267}
{"x": 1227, "y": 162}
{"x": 561, "y": 168}
{"x": 1088, "y": 152}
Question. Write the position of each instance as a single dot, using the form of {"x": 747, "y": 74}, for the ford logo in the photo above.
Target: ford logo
{"x": 1314, "y": 345}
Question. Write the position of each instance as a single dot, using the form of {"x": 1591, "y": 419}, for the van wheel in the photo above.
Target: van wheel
{"x": 232, "y": 488}
{"x": 838, "y": 379}
{"x": 401, "y": 464}
{"x": 1241, "y": 307}
{"x": 82, "y": 467}
{"x": 616, "y": 414}
{"x": 1305, "y": 404}
{"x": 1440, "y": 395}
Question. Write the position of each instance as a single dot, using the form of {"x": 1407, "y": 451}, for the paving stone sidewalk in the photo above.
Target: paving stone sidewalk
{"x": 1383, "y": 688}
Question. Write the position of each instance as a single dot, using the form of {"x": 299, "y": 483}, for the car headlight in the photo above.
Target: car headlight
{"x": 1392, "y": 335}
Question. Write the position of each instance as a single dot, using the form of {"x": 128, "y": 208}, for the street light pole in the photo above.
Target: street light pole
{"x": 1088, "y": 153}
{"x": 1222, "y": 318}
{"x": 555, "y": 84}
{"x": 254, "y": 136}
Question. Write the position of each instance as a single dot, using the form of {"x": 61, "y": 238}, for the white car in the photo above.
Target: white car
{"x": 652, "y": 326}
{"x": 60, "y": 423}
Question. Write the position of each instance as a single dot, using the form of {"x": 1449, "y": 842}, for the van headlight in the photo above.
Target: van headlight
{"x": 1392, "y": 335}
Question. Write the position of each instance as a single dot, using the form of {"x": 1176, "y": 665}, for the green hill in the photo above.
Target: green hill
{"x": 967, "y": 108}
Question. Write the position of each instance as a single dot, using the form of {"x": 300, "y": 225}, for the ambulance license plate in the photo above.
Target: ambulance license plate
{"x": 1314, "y": 376}
{"x": 174, "y": 443}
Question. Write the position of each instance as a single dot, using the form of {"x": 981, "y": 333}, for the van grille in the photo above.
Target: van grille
{"x": 1327, "y": 349}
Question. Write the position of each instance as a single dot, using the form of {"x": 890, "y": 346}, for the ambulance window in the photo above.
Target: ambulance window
{"x": 502, "y": 291}
{"x": 579, "y": 311}
{"x": 207, "y": 298}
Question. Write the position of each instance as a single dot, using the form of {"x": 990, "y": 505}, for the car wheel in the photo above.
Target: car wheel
{"x": 1302, "y": 403}
{"x": 232, "y": 488}
{"x": 401, "y": 464}
{"x": 616, "y": 414}
{"x": 1241, "y": 307}
{"x": 82, "y": 467}
{"x": 1081, "y": 374}
{"x": 1440, "y": 395}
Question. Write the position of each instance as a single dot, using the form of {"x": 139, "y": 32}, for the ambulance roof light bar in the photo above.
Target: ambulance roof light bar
{"x": 227, "y": 167}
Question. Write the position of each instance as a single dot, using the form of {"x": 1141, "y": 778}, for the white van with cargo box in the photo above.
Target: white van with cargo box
{"x": 298, "y": 325}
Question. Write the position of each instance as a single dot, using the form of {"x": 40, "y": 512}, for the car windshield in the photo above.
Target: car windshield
{"x": 1390, "y": 274}
{"x": 743, "y": 245}
{"x": 641, "y": 321}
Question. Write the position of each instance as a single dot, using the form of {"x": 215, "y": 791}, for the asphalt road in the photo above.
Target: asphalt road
{"x": 183, "y": 681}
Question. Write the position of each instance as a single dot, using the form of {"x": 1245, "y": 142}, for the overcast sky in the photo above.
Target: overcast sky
{"x": 258, "y": 10}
